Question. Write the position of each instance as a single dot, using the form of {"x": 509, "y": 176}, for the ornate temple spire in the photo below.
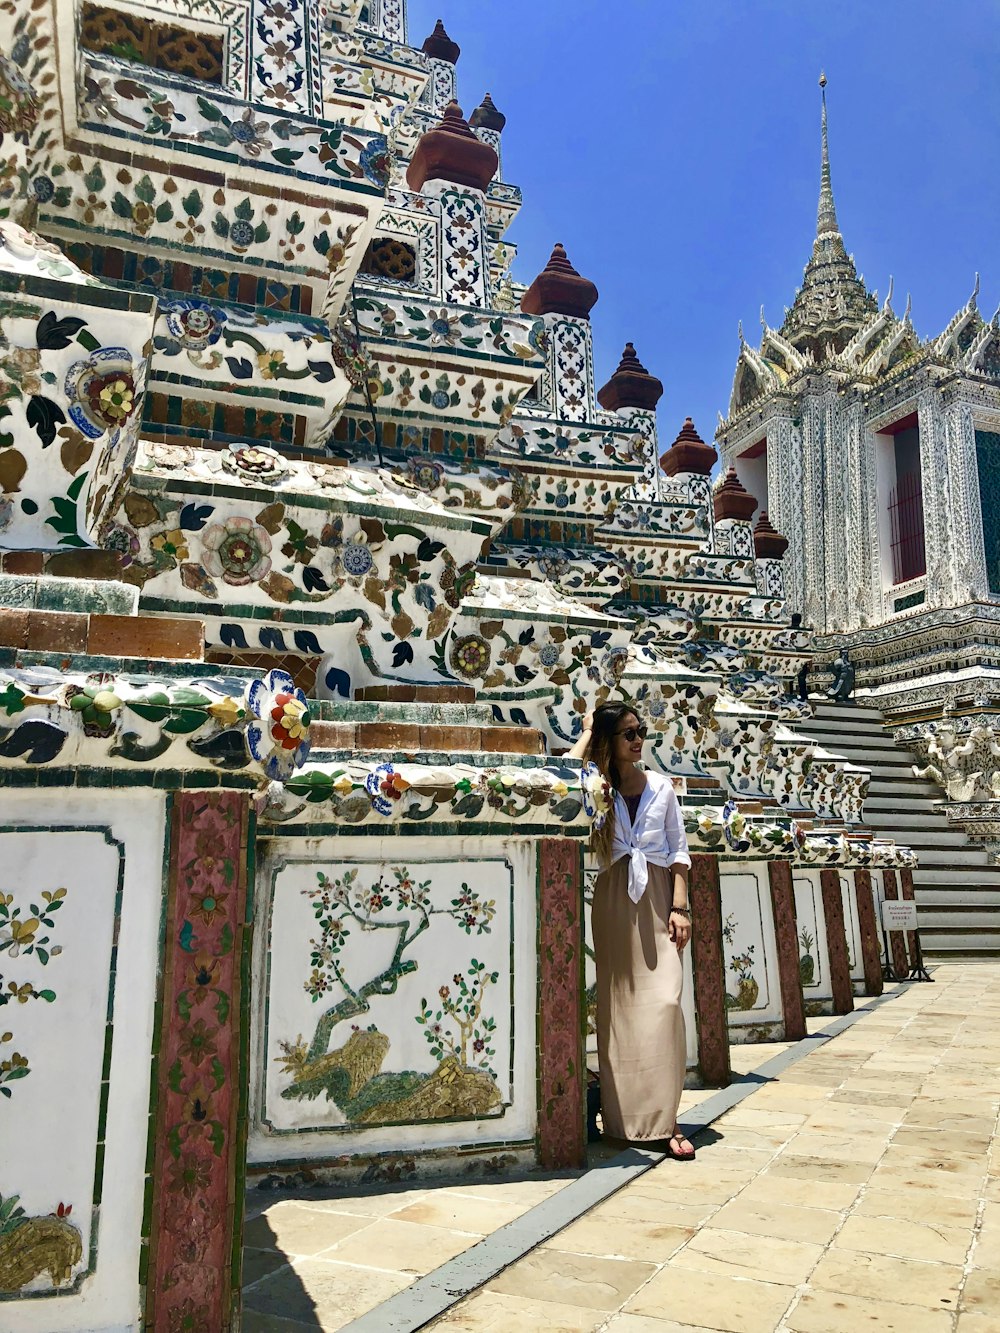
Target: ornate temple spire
{"x": 440, "y": 46}
{"x": 451, "y": 152}
{"x": 560, "y": 290}
{"x": 631, "y": 385}
{"x": 833, "y": 303}
{"x": 826, "y": 216}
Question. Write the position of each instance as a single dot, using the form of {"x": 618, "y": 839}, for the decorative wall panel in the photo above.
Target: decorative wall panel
{"x": 813, "y": 965}
{"x": 79, "y": 916}
{"x": 387, "y": 983}
{"x": 753, "y": 996}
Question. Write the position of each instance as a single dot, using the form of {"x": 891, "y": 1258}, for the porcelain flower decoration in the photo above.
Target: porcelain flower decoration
{"x": 597, "y": 795}
{"x": 278, "y": 733}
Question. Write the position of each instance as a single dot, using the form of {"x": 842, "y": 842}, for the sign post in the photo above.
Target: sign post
{"x": 902, "y": 915}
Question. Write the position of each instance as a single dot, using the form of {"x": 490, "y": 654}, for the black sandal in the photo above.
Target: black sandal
{"x": 678, "y": 1154}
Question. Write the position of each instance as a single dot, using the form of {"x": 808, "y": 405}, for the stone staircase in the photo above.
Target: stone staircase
{"x": 957, "y": 889}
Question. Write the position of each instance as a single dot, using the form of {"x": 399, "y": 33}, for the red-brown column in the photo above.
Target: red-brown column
{"x": 786, "y": 933}
{"x": 906, "y": 891}
{"x": 897, "y": 944}
{"x": 869, "y": 932}
{"x": 561, "y": 1000}
{"x": 836, "y": 942}
{"x": 198, "y": 1140}
{"x": 709, "y": 968}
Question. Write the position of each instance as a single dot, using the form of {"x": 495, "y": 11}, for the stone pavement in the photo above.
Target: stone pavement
{"x": 857, "y": 1189}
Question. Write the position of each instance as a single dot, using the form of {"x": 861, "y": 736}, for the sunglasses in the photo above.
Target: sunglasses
{"x": 630, "y": 733}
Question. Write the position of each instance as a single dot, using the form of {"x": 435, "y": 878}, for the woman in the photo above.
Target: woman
{"x": 641, "y": 923}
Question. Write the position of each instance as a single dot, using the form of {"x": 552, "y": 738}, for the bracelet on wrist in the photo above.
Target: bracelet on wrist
{"x": 682, "y": 911}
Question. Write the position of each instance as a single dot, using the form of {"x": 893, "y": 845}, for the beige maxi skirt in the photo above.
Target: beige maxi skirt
{"x": 641, "y": 1043}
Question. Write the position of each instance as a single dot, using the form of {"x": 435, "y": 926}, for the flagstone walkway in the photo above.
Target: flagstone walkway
{"x": 858, "y": 1189}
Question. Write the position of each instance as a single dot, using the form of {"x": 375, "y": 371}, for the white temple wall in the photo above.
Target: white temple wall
{"x": 961, "y": 421}
{"x": 785, "y": 496}
{"x": 937, "y": 501}
{"x": 74, "y": 1136}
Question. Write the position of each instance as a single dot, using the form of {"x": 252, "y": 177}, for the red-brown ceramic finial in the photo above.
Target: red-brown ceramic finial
{"x": 768, "y": 543}
{"x": 631, "y": 385}
{"x": 451, "y": 152}
{"x": 732, "y": 501}
{"x": 688, "y": 453}
{"x": 487, "y": 117}
{"x": 560, "y": 290}
{"x": 440, "y": 46}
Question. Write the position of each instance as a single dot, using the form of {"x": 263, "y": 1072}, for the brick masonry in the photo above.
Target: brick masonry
{"x": 201, "y": 1070}
{"x": 709, "y": 969}
{"x": 897, "y": 945}
{"x": 836, "y": 942}
{"x": 562, "y": 1067}
{"x": 906, "y": 890}
{"x": 868, "y": 926}
{"x": 787, "y": 938}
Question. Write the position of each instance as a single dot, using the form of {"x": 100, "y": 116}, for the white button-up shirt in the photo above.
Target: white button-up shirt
{"x": 656, "y": 838}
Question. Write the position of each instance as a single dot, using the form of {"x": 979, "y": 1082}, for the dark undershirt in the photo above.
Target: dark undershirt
{"x": 632, "y": 805}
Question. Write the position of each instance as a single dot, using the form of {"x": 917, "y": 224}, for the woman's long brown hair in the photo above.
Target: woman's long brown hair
{"x": 607, "y": 719}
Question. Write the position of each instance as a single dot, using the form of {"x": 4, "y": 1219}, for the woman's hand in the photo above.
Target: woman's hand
{"x": 679, "y": 929}
{"x": 581, "y": 747}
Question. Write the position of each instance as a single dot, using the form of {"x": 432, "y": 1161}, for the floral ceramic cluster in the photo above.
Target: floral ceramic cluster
{"x": 115, "y": 721}
{"x": 228, "y": 129}
{"x": 381, "y": 566}
{"x": 277, "y": 731}
{"x": 70, "y": 401}
{"x": 356, "y": 793}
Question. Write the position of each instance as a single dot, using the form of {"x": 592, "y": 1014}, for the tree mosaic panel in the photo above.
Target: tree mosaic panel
{"x": 813, "y": 966}
{"x": 749, "y": 951}
{"x": 988, "y": 461}
{"x": 390, "y": 990}
{"x": 60, "y": 901}
{"x": 852, "y": 928}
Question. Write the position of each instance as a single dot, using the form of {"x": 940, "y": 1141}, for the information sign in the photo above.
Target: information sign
{"x": 898, "y": 915}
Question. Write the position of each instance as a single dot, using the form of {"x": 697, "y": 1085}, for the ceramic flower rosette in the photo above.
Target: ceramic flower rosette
{"x": 597, "y": 795}
{"x": 277, "y": 733}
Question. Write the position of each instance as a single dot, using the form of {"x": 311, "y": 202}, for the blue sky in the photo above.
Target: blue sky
{"x": 674, "y": 149}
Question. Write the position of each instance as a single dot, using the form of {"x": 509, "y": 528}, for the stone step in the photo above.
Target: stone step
{"x": 963, "y": 855}
{"x": 960, "y": 918}
{"x": 897, "y": 773}
{"x": 851, "y": 719}
{"x": 943, "y": 946}
{"x": 905, "y": 819}
{"x": 956, "y": 875}
{"x": 948, "y": 842}
{"x": 963, "y": 897}
{"x": 895, "y": 757}
{"x": 832, "y": 736}
{"x": 887, "y": 795}
{"x": 956, "y": 887}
